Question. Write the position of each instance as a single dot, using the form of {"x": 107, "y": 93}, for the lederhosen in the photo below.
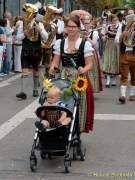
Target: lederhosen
{"x": 31, "y": 53}
{"x": 127, "y": 64}
{"x": 86, "y": 106}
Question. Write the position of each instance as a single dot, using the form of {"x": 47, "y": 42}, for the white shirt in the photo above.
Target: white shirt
{"x": 88, "y": 50}
{"x": 60, "y": 24}
{"x": 9, "y": 32}
{"x": 19, "y": 29}
{"x": 43, "y": 33}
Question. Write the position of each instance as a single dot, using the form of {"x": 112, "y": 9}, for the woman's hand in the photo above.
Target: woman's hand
{"x": 52, "y": 70}
{"x": 81, "y": 70}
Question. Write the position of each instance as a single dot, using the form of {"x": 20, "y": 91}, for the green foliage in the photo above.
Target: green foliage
{"x": 100, "y": 4}
{"x": 131, "y": 3}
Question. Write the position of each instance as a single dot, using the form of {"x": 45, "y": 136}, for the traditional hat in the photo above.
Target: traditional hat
{"x": 30, "y": 8}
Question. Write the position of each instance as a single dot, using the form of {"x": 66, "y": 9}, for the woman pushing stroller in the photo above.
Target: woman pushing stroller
{"x": 76, "y": 55}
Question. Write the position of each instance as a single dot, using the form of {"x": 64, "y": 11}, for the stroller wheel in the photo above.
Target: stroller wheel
{"x": 33, "y": 163}
{"x": 42, "y": 155}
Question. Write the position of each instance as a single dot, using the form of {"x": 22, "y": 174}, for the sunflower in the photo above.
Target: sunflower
{"x": 47, "y": 84}
{"x": 80, "y": 84}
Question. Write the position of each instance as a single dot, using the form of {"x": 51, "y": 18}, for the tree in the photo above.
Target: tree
{"x": 131, "y": 3}
{"x": 100, "y": 4}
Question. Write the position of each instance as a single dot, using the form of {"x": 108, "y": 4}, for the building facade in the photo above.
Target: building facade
{"x": 15, "y": 6}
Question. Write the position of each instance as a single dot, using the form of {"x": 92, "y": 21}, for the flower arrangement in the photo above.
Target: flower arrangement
{"x": 80, "y": 85}
{"x": 47, "y": 84}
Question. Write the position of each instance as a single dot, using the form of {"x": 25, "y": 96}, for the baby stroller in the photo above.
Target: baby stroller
{"x": 62, "y": 140}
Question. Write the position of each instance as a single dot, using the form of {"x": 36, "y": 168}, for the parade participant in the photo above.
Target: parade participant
{"x": 127, "y": 60}
{"x": 51, "y": 27}
{"x": 53, "y": 99}
{"x": 93, "y": 37}
{"x": 105, "y": 13}
{"x": 59, "y": 23}
{"x": 111, "y": 53}
{"x": 74, "y": 48}
{"x": 31, "y": 49}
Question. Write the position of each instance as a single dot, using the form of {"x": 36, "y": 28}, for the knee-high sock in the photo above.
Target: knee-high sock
{"x": 23, "y": 83}
{"x": 35, "y": 82}
{"x": 123, "y": 90}
{"x": 108, "y": 78}
{"x": 113, "y": 80}
{"x": 132, "y": 91}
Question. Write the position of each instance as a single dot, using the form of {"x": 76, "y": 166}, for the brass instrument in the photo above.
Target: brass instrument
{"x": 29, "y": 10}
{"x": 129, "y": 36}
{"x": 49, "y": 25}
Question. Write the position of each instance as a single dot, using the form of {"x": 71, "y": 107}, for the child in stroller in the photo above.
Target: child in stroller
{"x": 63, "y": 139}
{"x": 52, "y": 119}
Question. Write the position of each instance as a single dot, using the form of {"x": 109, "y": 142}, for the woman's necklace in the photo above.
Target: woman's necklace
{"x": 71, "y": 47}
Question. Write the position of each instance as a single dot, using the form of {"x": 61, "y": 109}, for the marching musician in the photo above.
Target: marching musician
{"x": 31, "y": 49}
{"x": 127, "y": 58}
{"x": 52, "y": 31}
{"x": 59, "y": 23}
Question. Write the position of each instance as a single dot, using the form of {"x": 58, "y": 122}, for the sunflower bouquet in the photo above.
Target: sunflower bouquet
{"x": 80, "y": 85}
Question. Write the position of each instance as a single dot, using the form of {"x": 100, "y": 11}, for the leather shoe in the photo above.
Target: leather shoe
{"x": 107, "y": 86}
{"x": 35, "y": 93}
{"x": 21, "y": 95}
{"x": 122, "y": 100}
{"x": 131, "y": 98}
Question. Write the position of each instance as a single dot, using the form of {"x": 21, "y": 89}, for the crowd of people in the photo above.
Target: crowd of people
{"x": 96, "y": 46}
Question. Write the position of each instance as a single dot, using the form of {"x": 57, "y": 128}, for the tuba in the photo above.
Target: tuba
{"x": 49, "y": 25}
{"x": 29, "y": 10}
{"x": 129, "y": 37}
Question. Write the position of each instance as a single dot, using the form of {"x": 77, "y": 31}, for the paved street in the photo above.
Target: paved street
{"x": 110, "y": 147}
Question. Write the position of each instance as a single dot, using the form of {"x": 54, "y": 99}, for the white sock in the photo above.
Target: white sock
{"x": 132, "y": 91}
{"x": 108, "y": 78}
{"x": 123, "y": 90}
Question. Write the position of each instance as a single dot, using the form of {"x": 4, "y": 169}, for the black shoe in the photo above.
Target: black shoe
{"x": 40, "y": 126}
{"x": 35, "y": 93}
{"x": 114, "y": 85}
{"x": 122, "y": 100}
{"x": 107, "y": 86}
{"x": 21, "y": 95}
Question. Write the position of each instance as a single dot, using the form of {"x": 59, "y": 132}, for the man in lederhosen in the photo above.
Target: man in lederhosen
{"x": 127, "y": 61}
{"x": 31, "y": 49}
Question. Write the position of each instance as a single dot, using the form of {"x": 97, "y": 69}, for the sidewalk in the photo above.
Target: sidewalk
{"x": 4, "y": 77}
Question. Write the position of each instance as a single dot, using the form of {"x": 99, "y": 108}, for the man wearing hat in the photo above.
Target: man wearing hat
{"x": 59, "y": 23}
{"x": 31, "y": 48}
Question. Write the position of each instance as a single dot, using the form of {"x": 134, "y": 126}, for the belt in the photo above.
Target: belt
{"x": 17, "y": 44}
